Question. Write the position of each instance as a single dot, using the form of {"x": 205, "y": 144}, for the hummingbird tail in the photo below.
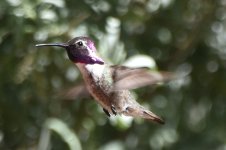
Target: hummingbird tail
{"x": 144, "y": 113}
{"x": 151, "y": 116}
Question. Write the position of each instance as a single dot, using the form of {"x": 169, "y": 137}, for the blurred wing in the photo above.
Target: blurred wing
{"x": 78, "y": 91}
{"x": 132, "y": 78}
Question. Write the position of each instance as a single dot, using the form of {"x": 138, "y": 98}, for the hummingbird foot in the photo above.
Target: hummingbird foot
{"x": 113, "y": 110}
{"x": 106, "y": 112}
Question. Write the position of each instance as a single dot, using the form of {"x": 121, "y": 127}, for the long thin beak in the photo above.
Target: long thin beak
{"x": 53, "y": 44}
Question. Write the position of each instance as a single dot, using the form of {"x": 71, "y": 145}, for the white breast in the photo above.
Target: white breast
{"x": 96, "y": 70}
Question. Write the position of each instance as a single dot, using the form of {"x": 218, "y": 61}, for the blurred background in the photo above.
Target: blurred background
{"x": 188, "y": 37}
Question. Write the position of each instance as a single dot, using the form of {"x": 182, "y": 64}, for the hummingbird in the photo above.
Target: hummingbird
{"x": 110, "y": 85}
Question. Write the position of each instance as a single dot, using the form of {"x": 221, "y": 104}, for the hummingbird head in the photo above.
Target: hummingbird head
{"x": 79, "y": 50}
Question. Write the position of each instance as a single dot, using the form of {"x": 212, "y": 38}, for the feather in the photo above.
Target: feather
{"x": 132, "y": 78}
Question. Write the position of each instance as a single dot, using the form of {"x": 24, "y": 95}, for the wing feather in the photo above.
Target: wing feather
{"x": 132, "y": 78}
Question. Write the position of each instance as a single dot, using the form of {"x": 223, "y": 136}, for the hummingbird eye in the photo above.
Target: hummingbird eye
{"x": 80, "y": 43}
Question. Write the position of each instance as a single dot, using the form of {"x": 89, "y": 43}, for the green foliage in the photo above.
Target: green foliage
{"x": 182, "y": 36}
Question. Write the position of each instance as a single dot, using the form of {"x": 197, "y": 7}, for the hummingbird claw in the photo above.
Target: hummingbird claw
{"x": 106, "y": 112}
{"x": 113, "y": 110}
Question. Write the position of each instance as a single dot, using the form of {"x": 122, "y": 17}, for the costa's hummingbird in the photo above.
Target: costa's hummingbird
{"x": 110, "y": 85}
